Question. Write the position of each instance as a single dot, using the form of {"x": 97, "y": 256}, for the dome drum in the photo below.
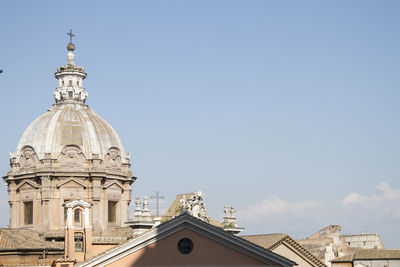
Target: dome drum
{"x": 71, "y": 159}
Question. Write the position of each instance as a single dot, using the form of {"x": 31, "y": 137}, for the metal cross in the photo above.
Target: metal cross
{"x": 70, "y": 35}
{"x": 157, "y": 197}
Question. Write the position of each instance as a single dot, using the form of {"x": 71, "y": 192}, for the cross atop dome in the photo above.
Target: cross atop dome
{"x": 70, "y": 46}
{"x": 70, "y": 35}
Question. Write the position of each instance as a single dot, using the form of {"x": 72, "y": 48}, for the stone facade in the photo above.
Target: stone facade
{"x": 363, "y": 240}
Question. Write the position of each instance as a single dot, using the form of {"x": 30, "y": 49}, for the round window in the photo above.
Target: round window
{"x": 185, "y": 246}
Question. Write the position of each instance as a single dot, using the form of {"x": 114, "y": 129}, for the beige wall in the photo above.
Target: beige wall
{"x": 206, "y": 252}
{"x": 342, "y": 264}
{"x": 285, "y": 251}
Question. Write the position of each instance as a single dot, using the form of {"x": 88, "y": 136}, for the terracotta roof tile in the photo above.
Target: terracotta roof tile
{"x": 24, "y": 239}
{"x": 377, "y": 254}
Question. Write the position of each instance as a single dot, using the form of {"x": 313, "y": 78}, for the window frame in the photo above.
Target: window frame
{"x": 28, "y": 212}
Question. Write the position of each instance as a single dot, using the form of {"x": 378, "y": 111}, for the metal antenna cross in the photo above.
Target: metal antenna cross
{"x": 157, "y": 197}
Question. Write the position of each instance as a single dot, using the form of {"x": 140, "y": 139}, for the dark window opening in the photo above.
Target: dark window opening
{"x": 77, "y": 216}
{"x": 112, "y": 210}
{"x": 28, "y": 212}
{"x": 185, "y": 246}
{"x": 70, "y": 83}
{"x": 78, "y": 238}
{"x": 70, "y": 94}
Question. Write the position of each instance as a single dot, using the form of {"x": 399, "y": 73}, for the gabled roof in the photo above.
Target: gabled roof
{"x": 267, "y": 241}
{"x": 186, "y": 221}
{"x": 271, "y": 241}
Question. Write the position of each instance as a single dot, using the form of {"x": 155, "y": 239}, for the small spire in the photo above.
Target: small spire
{"x": 70, "y": 78}
{"x": 70, "y": 48}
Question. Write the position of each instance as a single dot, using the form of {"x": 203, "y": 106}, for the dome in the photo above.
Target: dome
{"x": 70, "y": 124}
{"x": 69, "y": 153}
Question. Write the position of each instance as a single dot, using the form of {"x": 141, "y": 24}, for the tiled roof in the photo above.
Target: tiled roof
{"x": 370, "y": 254}
{"x": 117, "y": 236}
{"x": 377, "y": 254}
{"x": 271, "y": 241}
{"x": 346, "y": 258}
{"x": 265, "y": 241}
{"x": 175, "y": 208}
{"x": 25, "y": 239}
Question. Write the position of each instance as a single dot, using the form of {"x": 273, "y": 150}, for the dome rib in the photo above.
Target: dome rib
{"x": 70, "y": 124}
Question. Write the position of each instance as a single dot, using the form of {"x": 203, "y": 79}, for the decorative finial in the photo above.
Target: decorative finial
{"x": 232, "y": 212}
{"x": 70, "y": 46}
{"x": 137, "y": 203}
{"x": 146, "y": 203}
{"x": 226, "y": 211}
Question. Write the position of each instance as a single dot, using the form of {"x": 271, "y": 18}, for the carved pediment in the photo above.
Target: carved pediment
{"x": 71, "y": 183}
{"x": 28, "y": 159}
{"x": 76, "y": 203}
{"x": 71, "y": 157}
{"x": 27, "y": 185}
{"x": 114, "y": 186}
{"x": 112, "y": 160}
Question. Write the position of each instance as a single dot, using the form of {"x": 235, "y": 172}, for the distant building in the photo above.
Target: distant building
{"x": 369, "y": 258}
{"x": 328, "y": 243}
{"x": 363, "y": 240}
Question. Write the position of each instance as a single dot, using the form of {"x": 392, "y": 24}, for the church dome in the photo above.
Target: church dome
{"x": 70, "y": 122}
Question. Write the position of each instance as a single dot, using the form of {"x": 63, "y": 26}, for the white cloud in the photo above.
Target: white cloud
{"x": 386, "y": 192}
{"x": 378, "y": 212}
{"x": 273, "y": 206}
{"x": 356, "y": 198}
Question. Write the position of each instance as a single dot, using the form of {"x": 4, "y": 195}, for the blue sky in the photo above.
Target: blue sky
{"x": 287, "y": 110}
